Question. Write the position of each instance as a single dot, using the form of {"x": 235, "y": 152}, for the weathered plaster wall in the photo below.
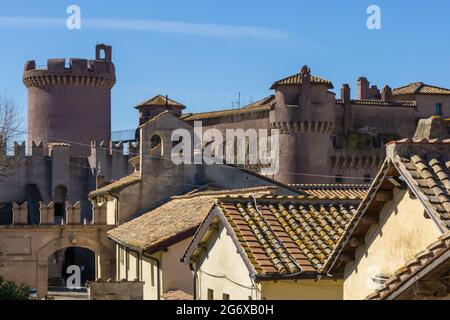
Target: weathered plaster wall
{"x": 222, "y": 270}
{"x": 302, "y": 290}
{"x": 176, "y": 275}
{"x": 401, "y": 233}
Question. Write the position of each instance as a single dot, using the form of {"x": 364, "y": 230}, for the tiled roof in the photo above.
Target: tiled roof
{"x": 176, "y": 295}
{"x": 412, "y": 268}
{"x": 160, "y": 100}
{"x": 115, "y": 185}
{"x": 426, "y": 165}
{"x": 379, "y": 103}
{"x": 420, "y": 88}
{"x": 265, "y": 104}
{"x": 267, "y": 101}
{"x": 174, "y": 221}
{"x": 226, "y": 113}
{"x": 331, "y": 190}
{"x": 296, "y": 79}
{"x": 287, "y": 235}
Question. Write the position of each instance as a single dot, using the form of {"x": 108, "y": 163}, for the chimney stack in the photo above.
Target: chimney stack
{"x": 363, "y": 88}
{"x": 345, "y": 93}
{"x": 375, "y": 93}
{"x": 386, "y": 94}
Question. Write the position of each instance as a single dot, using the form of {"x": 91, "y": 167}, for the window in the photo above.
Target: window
{"x": 155, "y": 141}
{"x": 210, "y": 294}
{"x": 339, "y": 179}
{"x": 337, "y": 142}
{"x": 121, "y": 253}
{"x": 367, "y": 178}
{"x": 438, "y": 110}
{"x": 225, "y": 296}
{"x": 60, "y": 197}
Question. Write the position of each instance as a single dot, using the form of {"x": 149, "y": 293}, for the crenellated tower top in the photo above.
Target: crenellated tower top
{"x": 99, "y": 72}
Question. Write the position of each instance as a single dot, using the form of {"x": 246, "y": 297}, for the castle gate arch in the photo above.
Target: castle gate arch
{"x": 104, "y": 259}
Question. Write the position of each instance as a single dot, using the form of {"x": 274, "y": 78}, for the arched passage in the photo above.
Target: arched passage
{"x": 104, "y": 259}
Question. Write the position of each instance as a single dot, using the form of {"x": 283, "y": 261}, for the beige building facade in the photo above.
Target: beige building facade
{"x": 401, "y": 226}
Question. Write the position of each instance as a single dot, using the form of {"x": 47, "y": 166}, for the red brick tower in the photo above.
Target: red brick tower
{"x": 71, "y": 104}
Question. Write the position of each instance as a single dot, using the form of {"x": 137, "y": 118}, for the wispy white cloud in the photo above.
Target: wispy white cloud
{"x": 160, "y": 26}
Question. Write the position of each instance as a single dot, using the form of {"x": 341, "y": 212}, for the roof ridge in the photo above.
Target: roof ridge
{"x": 271, "y": 197}
{"x": 165, "y": 101}
{"x": 223, "y": 191}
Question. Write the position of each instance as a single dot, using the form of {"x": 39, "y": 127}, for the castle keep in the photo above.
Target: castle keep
{"x": 71, "y": 103}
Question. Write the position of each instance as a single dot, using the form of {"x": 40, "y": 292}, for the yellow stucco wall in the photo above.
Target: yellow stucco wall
{"x": 403, "y": 231}
{"x": 111, "y": 205}
{"x": 302, "y": 290}
{"x": 223, "y": 271}
{"x": 173, "y": 274}
{"x": 150, "y": 278}
{"x": 176, "y": 275}
{"x": 133, "y": 266}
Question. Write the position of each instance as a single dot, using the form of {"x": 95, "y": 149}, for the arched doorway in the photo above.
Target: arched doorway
{"x": 68, "y": 263}
{"x": 104, "y": 259}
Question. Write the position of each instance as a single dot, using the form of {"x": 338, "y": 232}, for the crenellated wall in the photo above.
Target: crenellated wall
{"x": 72, "y": 214}
{"x": 55, "y": 175}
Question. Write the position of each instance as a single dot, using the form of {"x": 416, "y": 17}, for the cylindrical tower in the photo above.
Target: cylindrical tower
{"x": 71, "y": 104}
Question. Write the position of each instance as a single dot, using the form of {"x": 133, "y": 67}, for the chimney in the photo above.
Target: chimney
{"x": 305, "y": 74}
{"x": 100, "y": 181}
{"x": 345, "y": 93}
{"x": 363, "y": 88}
{"x": 386, "y": 94}
{"x": 375, "y": 93}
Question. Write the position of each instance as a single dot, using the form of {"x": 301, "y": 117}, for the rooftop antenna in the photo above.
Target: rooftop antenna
{"x": 238, "y": 102}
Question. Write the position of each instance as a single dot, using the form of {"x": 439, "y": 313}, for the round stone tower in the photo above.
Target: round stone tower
{"x": 71, "y": 103}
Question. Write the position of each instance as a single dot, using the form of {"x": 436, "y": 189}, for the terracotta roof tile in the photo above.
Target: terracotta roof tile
{"x": 160, "y": 100}
{"x": 115, "y": 185}
{"x": 179, "y": 217}
{"x": 425, "y": 166}
{"x": 176, "y": 295}
{"x": 420, "y": 88}
{"x": 250, "y": 109}
{"x": 286, "y": 235}
{"x": 412, "y": 268}
{"x": 296, "y": 79}
{"x": 379, "y": 103}
{"x": 334, "y": 190}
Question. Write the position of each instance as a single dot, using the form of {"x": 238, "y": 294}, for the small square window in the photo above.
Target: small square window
{"x": 438, "y": 111}
{"x": 225, "y": 296}
{"x": 367, "y": 178}
{"x": 210, "y": 294}
{"x": 339, "y": 179}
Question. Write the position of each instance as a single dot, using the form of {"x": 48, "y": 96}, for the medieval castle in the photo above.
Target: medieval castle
{"x": 324, "y": 139}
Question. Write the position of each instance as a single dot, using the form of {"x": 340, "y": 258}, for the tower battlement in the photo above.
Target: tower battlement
{"x": 100, "y": 73}
{"x": 70, "y": 100}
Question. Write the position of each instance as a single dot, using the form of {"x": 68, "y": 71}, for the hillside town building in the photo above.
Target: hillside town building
{"x": 347, "y": 208}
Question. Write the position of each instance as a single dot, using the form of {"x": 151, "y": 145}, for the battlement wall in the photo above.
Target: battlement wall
{"x": 100, "y": 73}
{"x": 72, "y": 214}
{"x": 51, "y": 167}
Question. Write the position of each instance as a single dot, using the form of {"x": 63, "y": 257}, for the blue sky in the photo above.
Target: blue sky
{"x": 202, "y": 53}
